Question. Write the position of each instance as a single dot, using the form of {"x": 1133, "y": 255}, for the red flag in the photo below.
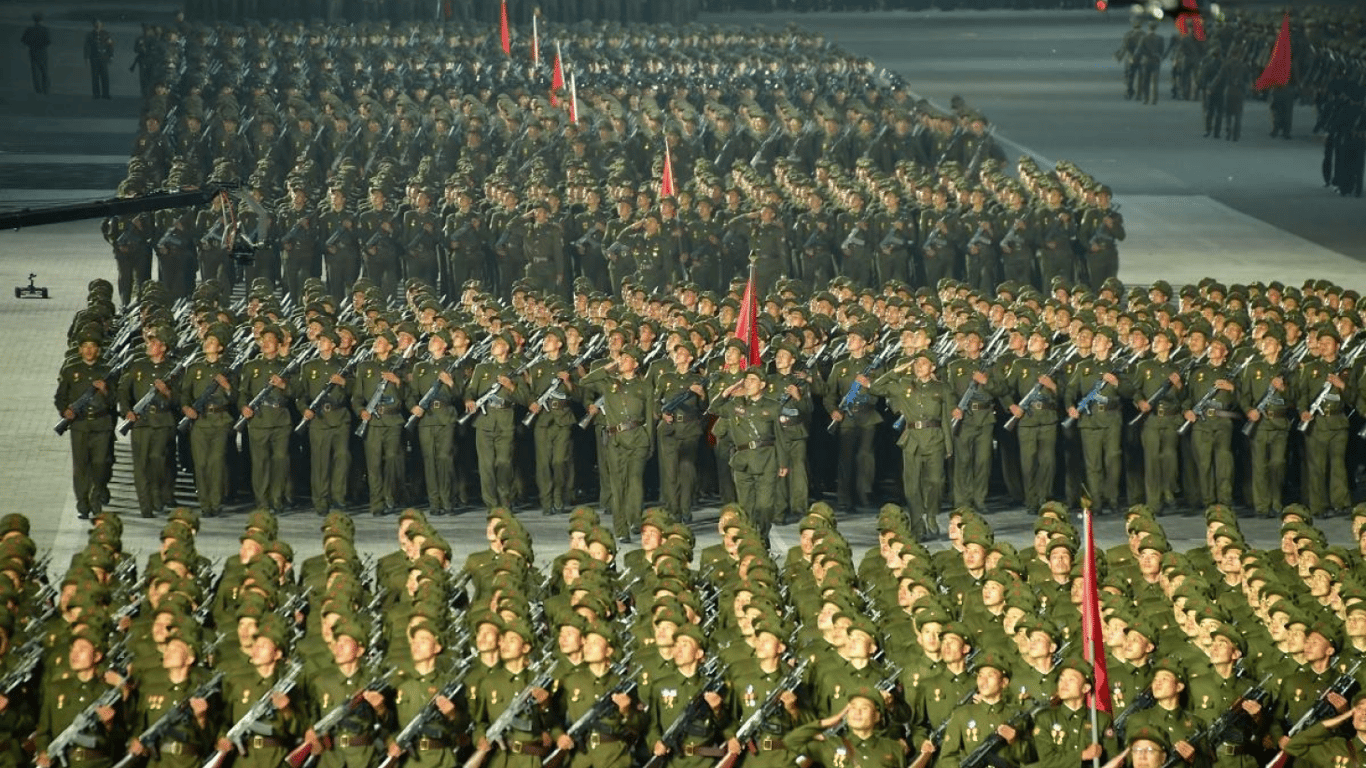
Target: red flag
{"x": 557, "y": 80}
{"x": 1277, "y": 70}
{"x": 535, "y": 42}
{"x": 1093, "y": 629}
{"x": 503, "y": 29}
{"x": 666, "y": 178}
{"x": 747, "y": 324}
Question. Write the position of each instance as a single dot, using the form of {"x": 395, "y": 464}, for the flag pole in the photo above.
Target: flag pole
{"x": 1090, "y": 648}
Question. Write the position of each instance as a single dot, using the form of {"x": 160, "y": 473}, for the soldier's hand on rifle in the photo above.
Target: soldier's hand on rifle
{"x": 863, "y": 380}
{"x": 199, "y": 707}
{"x": 536, "y": 408}
{"x": 1333, "y": 379}
{"x": 247, "y": 412}
{"x": 375, "y": 699}
{"x": 42, "y": 760}
{"x": 836, "y": 416}
{"x": 1006, "y": 733}
{"x": 277, "y": 382}
{"x": 391, "y": 377}
{"x": 418, "y": 411}
{"x": 1306, "y": 416}
{"x": 541, "y": 695}
{"x": 1016, "y": 411}
{"x": 365, "y": 415}
{"x": 129, "y": 417}
{"x": 1278, "y": 384}
{"x": 659, "y": 749}
{"x": 506, "y": 382}
{"x": 1338, "y": 701}
{"x": 782, "y": 472}
{"x": 394, "y": 750}
{"x": 314, "y": 743}
{"x": 789, "y": 700}
{"x": 279, "y": 700}
{"x": 713, "y": 699}
{"x": 309, "y": 414}
{"x": 446, "y": 379}
{"x": 223, "y": 382}
{"x": 104, "y": 388}
{"x": 958, "y": 414}
{"x": 1111, "y": 379}
{"x": 668, "y": 418}
{"x": 791, "y": 391}
{"x": 733, "y": 746}
{"x": 927, "y": 747}
{"x": 447, "y": 709}
{"x": 1048, "y": 382}
{"x": 189, "y": 412}
{"x": 564, "y": 742}
{"x": 162, "y": 388}
{"x": 1190, "y": 415}
{"x": 136, "y": 748}
{"x": 1224, "y": 384}
{"x": 338, "y": 379}
{"x": 1074, "y": 413}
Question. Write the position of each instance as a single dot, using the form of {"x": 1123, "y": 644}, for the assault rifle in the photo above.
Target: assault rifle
{"x": 260, "y": 397}
{"x": 1144, "y": 700}
{"x": 600, "y": 709}
{"x": 1167, "y": 386}
{"x": 496, "y": 731}
{"x": 981, "y": 756}
{"x": 1093, "y": 397}
{"x": 1321, "y": 709}
{"x": 1200, "y": 406}
{"x": 922, "y": 759}
{"x": 82, "y": 403}
{"x": 1035, "y": 392}
{"x": 588, "y": 351}
{"x": 202, "y": 402}
{"x": 251, "y": 721}
{"x": 317, "y": 402}
{"x": 381, "y": 388}
{"x": 481, "y": 404}
{"x": 412, "y": 731}
{"x": 78, "y": 732}
{"x": 178, "y": 714}
{"x": 750, "y": 727}
{"x": 334, "y": 717}
{"x": 1316, "y": 406}
{"x": 855, "y": 387}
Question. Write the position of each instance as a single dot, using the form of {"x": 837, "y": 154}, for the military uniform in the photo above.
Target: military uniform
{"x": 1158, "y": 434}
{"x": 436, "y": 429}
{"x": 63, "y": 700}
{"x": 1212, "y": 432}
{"x": 212, "y": 428}
{"x": 91, "y": 430}
{"x": 628, "y": 418}
{"x": 329, "y": 430}
{"x": 241, "y": 691}
{"x": 855, "y": 431}
{"x": 1325, "y": 440}
{"x": 493, "y": 429}
{"x": 384, "y": 430}
{"x": 187, "y": 744}
{"x": 269, "y": 430}
{"x": 760, "y": 453}
{"x": 972, "y": 444}
{"x": 1271, "y": 437}
{"x": 1100, "y": 425}
{"x": 553, "y": 433}
{"x": 679, "y": 441}
{"x": 927, "y": 439}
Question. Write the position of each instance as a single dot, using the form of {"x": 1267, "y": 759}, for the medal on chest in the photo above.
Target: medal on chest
{"x": 669, "y": 697}
{"x": 750, "y": 699}
{"x": 970, "y": 733}
{"x": 841, "y": 757}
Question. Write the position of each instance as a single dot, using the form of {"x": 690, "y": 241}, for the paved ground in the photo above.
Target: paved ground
{"x": 1254, "y": 209}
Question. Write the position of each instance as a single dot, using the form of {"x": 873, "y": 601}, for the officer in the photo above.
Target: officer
{"x": 322, "y": 385}
{"x": 926, "y": 405}
{"x": 551, "y": 382}
{"x": 436, "y": 428}
{"x": 270, "y": 423}
{"x": 629, "y": 412}
{"x": 377, "y": 394}
{"x": 682, "y": 395}
{"x": 208, "y": 392}
{"x": 494, "y": 426}
{"x": 760, "y": 460}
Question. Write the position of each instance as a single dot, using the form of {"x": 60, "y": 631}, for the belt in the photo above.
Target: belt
{"x": 1103, "y": 407}
{"x": 926, "y": 424}
{"x": 270, "y": 404}
{"x": 1232, "y": 749}
{"x": 384, "y": 410}
{"x": 1211, "y": 413}
{"x": 215, "y": 409}
{"x": 596, "y": 738}
{"x": 152, "y": 408}
{"x": 264, "y": 742}
{"x": 437, "y": 405}
{"x": 1166, "y": 410}
{"x": 753, "y": 444}
{"x": 431, "y": 745}
{"x": 81, "y": 753}
{"x": 350, "y": 740}
{"x": 1277, "y": 413}
{"x": 328, "y": 407}
{"x": 553, "y": 405}
{"x": 1039, "y": 405}
{"x": 177, "y": 748}
{"x": 622, "y": 427}
{"x": 702, "y": 750}
{"x": 979, "y": 405}
{"x": 769, "y": 744}
{"x": 1332, "y": 410}
{"x": 533, "y": 748}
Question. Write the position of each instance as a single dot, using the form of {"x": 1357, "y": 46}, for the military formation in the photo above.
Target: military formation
{"x": 1216, "y": 59}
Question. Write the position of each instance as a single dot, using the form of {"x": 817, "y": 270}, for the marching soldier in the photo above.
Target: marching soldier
{"x": 207, "y": 395}
{"x": 382, "y": 417}
{"x": 270, "y": 423}
{"x": 1213, "y": 387}
{"x": 1096, "y": 385}
{"x": 925, "y": 404}
{"x": 321, "y": 398}
{"x": 629, "y": 413}
{"x": 794, "y": 389}
{"x": 494, "y": 426}
{"x": 683, "y": 397}
{"x": 153, "y": 432}
{"x": 1267, "y": 401}
{"x": 552, "y": 383}
{"x": 436, "y": 428}
{"x": 856, "y": 418}
{"x": 760, "y": 460}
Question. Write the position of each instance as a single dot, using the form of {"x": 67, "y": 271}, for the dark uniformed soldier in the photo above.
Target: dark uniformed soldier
{"x": 857, "y": 419}
{"x": 926, "y": 404}
{"x": 382, "y": 416}
{"x": 92, "y": 425}
{"x": 270, "y": 423}
{"x": 153, "y": 431}
{"x": 760, "y": 460}
{"x": 211, "y": 378}
{"x": 494, "y": 425}
{"x": 329, "y": 427}
{"x": 628, "y": 413}
{"x": 683, "y": 392}
{"x": 436, "y": 430}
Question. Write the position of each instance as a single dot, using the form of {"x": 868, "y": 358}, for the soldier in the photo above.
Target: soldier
{"x": 352, "y": 741}
{"x": 99, "y": 52}
{"x": 1168, "y": 716}
{"x": 1063, "y": 732}
{"x": 377, "y": 394}
{"x": 494, "y": 426}
{"x": 171, "y": 684}
{"x": 417, "y": 686}
{"x": 526, "y": 738}
{"x": 925, "y": 404}
{"x": 243, "y": 688}
{"x": 675, "y": 691}
{"x": 970, "y": 377}
{"x": 629, "y": 413}
{"x": 1266, "y": 399}
{"x": 973, "y": 723}
{"x": 607, "y": 743}
{"x": 379, "y": 242}
{"x": 337, "y": 229}
{"x": 856, "y": 419}
{"x": 321, "y": 398}
{"x": 794, "y": 389}
{"x": 1150, "y": 52}
{"x": 941, "y": 232}
{"x": 153, "y": 431}
{"x": 1056, "y": 228}
{"x": 1320, "y": 383}
{"x": 37, "y": 39}
{"x": 436, "y": 376}
{"x": 760, "y": 460}
{"x": 1099, "y": 379}
{"x": 421, "y": 233}
{"x": 1317, "y": 744}
{"x": 299, "y": 243}
{"x": 544, "y": 250}
{"x": 1038, "y": 426}
{"x": 67, "y": 695}
{"x": 208, "y": 394}
{"x": 683, "y": 399}
{"x": 1158, "y": 391}
{"x": 270, "y": 423}
{"x": 1099, "y": 229}
{"x": 1213, "y": 388}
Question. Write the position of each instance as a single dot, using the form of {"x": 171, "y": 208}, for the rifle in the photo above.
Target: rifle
{"x": 1320, "y": 710}
{"x": 970, "y": 393}
{"x": 334, "y": 717}
{"x": 344, "y": 372}
{"x": 260, "y": 397}
{"x": 1035, "y": 393}
{"x": 589, "y": 349}
{"x": 599, "y": 710}
{"x": 75, "y": 734}
{"x": 412, "y": 731}
{"x": 503, "y": 723}
{"x": 492, "y": 392}
{"x": 922, "y": 759}
{"x": 1316, "y": 407}
{"x": 855, "y": 388}
{"x": 1291, "y": 360}
{"x": 1144, "y": 700}
{"x": 672, "y": 737}
{"x": 1166, "y": 388}
{"x": 977, "y": 153}
{"x": 382, "y": 387}
{"x": 173, "y": 717}
{"x": 250, "y": 722}
{"x": 676, "y": 401}
{"x": 760, "y": 716}
{"x": 202, "y": 402}
{"x": 82, "y": 403}
{"x": 982, "y": 755}
{"x": 1091, "y": 397}
{"x": 1214, "y": 735}
{"x": 1199, "y": 407}
{"x": 22, "y": 672}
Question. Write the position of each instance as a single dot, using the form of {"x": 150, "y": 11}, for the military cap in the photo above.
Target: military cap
{"x": 994, "y": 660}
{"x": 1077, "y": 664}
{"x": 273, "y": 627}
{"x": 690, "y": 630}
{"x": 1329, "y": 631}
{"x": 1149, "y": 734}
{"x": 1230, "y": 632}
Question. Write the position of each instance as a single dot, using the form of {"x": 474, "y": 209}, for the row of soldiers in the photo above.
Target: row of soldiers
{"x": 519, "y": 12}
{"x": 1213, "y": 394}
{"x": 846, "y": 175}
{"x": 1224, "y": 655}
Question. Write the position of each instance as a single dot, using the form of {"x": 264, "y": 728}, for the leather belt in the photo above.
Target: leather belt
{"x": 1211, "y": 413}
{"x": 555, "y": 405}
{"x": 753, "y": 445}
{"x": 1277, "y": 413}
{"x": 81, "y": 753}
{"x": 596, "y": 738}
{"x": 1166, "y": 410}
{"x": 1039, "y": 405}
{"x": 430, "y": 745}
{"x": 328, "y": 407}
{"x": 177, "y": 748}
{"x": 352, "y": 740}
{"x": 622, "y": 427}
{"x": 265, "y": 742}
{"x": 215, "y": 409}
{"x": 979, "y": 405}
{"x": 1104, "y": 407}
{"x": 437, "y": 405}
{"x": 384, "y": 410}
{"x": 769, "y": 744}
{"x": 1232, "y": 749}
{"x": 533, "y": 748}
{"x": 702, "y": 750}
{"x": 926, "y": 424}
{"x": 152, "y": 408}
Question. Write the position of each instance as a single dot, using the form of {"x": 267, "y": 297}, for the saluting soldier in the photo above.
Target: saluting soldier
{"x": 628, "y": 414}
{"x": 926, "y": 405}
{"x": 212, "y": 378}
{"x": 760, "y": 459}
{"x": 863, "y": 745}
{"x": 329, "y": 425}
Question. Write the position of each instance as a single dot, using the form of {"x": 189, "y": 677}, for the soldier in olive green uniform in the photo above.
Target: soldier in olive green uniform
{"x": 972, "y": 443}
{"x": 1158, "y": 394}
{"x": 1100, "y": 425}
{"x": 421, "y": 684}
{"x": 863, "y": 743}
{"x": 608, "y": 740}
{"x": 544, "y": 250}
{"x": 329, "y": 427}
{"x": 1266, "y": 400}
{"x": 1212, "y": 427}
{"x": 243, "y": 688}
{"x": 67, "y": 695}
{"x": 628, "y": 412}
{"x": 760, "y": 460}
{"x": 436, "y": 428}
{"x": 926, "y": 404}
{"x": 1213, "y": 689}
{"x": 973, "y": 723}
{"x": 1063, "y": 732}
{"x": 523, "y": 743}
{"x": 857, "y": 420}
{"x": 212, "y": 378}
{"x": 1325, "y": 439}
{"x": 1098, "y": 232}
{"x": 554, "y": 425}
{"x": 92, "y": 427}
{"x": 297, "y": 220}
{"x": 1038, "y": 420}
{"x": 169, "y": 685}
{"x": 683, "y": 391}
{"x": 794, "y": 389}
{"x": 354, "y": 741}
{"x": 154, "y": 430}
{"x": 270, "y": 424}
{"x": 1319, "y": 744}
{"x": 674, "y": 691}
{"x": 383, "y": 425}
{"x": 1168, "y": 716}
{"x": 494, "y": 425}
{"x": 750, "y": 683}
{"x": 732, "y": 369}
